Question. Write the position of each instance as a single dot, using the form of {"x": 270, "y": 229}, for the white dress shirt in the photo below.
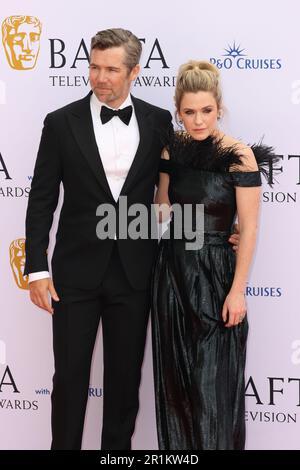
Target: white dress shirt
{"x": 117, "y": 144}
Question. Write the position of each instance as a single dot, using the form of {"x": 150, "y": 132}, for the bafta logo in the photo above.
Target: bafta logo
{"x": 21, "y": 40}
{"x": 17, "y": 262}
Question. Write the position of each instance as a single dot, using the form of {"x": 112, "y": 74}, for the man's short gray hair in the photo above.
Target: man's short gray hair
{"x": 116, "y": 37}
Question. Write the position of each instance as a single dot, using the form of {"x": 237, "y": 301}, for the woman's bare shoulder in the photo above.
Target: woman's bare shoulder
{"x": 245, "y": 152}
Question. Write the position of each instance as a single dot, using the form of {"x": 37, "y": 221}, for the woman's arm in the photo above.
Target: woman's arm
{"x": 248, "y": 199}
{"x": 162, "y": 202}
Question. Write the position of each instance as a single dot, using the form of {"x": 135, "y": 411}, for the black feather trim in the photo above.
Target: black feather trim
{"x": 210, "y": 154}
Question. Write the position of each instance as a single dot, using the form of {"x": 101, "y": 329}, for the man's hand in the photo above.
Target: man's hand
{"x": 39, "y": 293}
{"x": 234, "y": 238}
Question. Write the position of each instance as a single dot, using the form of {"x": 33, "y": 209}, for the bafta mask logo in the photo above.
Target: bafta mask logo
{"x": 17, "y": 262}
{"x": 21, "y": 40}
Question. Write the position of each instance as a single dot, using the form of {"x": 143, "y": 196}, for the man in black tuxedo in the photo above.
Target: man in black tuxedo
{"x": 99, "y": 154}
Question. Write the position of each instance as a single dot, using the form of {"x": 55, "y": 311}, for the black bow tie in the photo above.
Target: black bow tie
{"x": 124, "y": 114}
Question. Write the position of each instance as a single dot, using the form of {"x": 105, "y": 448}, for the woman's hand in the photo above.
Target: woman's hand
{"x": 234, "y": 308}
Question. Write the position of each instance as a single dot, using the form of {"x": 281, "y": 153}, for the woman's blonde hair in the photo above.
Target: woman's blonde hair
{"x": 197, "y": 75}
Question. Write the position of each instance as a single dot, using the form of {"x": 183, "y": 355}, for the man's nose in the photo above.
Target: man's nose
{"x": 102, "y": 76}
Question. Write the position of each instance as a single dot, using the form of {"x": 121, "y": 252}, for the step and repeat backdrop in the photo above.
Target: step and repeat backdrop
{"x": 44, "y": 65}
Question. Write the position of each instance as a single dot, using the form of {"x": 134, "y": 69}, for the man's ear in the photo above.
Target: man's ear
{"x": 135, "y": 71}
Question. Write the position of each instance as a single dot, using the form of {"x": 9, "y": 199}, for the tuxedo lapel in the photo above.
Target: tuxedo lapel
{"x": 80, "y": 120}
{"x": 143, "y": 116}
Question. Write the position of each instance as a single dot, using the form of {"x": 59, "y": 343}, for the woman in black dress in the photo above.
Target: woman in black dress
{"x": 199, "y": 310}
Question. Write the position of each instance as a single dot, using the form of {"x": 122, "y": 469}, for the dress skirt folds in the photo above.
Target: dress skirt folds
{"x": 199, "y": 364}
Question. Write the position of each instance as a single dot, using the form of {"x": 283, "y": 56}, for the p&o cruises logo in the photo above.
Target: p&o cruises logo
{"x": 235, "y": 57}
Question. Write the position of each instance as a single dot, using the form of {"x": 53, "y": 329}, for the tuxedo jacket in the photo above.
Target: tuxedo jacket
{"x": 68, "y": 154}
